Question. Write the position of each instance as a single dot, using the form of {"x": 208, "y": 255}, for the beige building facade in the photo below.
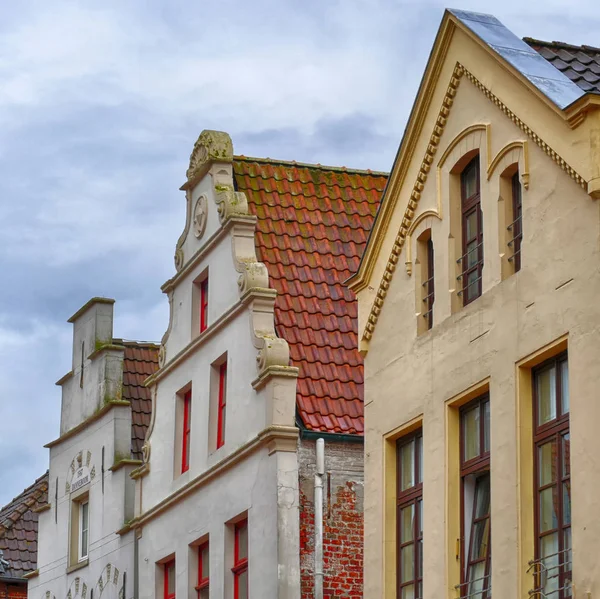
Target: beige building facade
{"x": 478, "y": 321}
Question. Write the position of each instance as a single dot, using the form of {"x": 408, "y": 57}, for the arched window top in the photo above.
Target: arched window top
{"x": 470, "y": 182}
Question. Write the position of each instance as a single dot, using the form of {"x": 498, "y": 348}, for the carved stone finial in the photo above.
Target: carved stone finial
{"x": 254, "y": 276}
{"x": 178, "y": 259}
{"x": 231, "y": 203}
{"x": 210, "y": 146}
{"x": 275, "y": 352}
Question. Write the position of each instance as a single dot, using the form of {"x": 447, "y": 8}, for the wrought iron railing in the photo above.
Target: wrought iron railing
{"x": 552, "y": 574}
{"x": 477, "y": 264}
{"x": 428, "y": 299}
{"x": 516, "y": 237}
{"x": 477, "y": 588}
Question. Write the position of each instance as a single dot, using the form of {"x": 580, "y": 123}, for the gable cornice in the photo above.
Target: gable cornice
{"x": 415, "y": 196}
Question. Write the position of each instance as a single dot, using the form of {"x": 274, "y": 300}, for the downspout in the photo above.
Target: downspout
{"x": 320, "y": 450}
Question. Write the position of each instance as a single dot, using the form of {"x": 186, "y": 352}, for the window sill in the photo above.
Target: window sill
{"x": 82, "y": 564}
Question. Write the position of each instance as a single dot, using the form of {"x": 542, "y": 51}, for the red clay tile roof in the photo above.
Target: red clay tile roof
{"x": 18, "y": 530}
{"x": 140, "y": 361}
{"x": 581, "y": 64}
{"x": 313, "y": 224}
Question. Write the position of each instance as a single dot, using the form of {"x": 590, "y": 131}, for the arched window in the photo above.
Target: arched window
{"x": 471, "y": 260}
{"x": 516, "y": 227}
{"x": 425, "y": 281}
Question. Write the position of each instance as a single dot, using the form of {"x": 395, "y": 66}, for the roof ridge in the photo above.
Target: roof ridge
{"x": 342, "y": 169}
{"x": 30, "y": 488}
{"x": 130, "y": 342}
{"x": 563, "y": 45}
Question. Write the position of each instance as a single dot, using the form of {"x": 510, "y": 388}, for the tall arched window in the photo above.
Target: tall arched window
{"x": 472, "y": 232}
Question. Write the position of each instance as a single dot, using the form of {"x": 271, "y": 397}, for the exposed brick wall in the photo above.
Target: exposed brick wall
{"x": 343, "y": 520}
{"x": 13, "y": 591}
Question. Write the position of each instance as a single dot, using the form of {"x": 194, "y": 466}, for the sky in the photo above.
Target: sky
{"x": 100, "y": 105}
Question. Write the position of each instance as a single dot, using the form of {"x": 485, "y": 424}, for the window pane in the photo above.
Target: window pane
{"x": 171, "y": 578}
{"x": 480, "y": 539}
{"x": 470, "y": 420}
{"x": 477, "y": 581}
{"x": 242, "y": 581}
{"x": 407, "y": 466}
{"x": 407, "y": 563}
{"x": 548, "y": 509}
{"x": 482, "y": 491}
{"x": 550, "y": 560}
{"x": 242, "y": 542}
{"x": 420, "y": 517}
{"x": 566, "y": 503}
{"x": 419, "y": 443}
{"x": 419, "y": 573}
{"x": 472, "y": 290}
{"x": 564, "y": 400}
{"x": 470, "y": 182}
{"x": 84, "y": 543}
{"x": 471, "y": 224}
{"x": 408, "y": 592}
{"x": 407, "y": 523}
{"x": 566, "y": 455}
{"x": 547, "y": 463}
{"x": 205, "y": 562}
{"x": 546, "y": 395}
{"x": 567, "y": 549}
{"x": 486, "y": 426}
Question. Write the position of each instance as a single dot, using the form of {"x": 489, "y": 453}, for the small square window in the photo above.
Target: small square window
{"x": 169, "y": 580}
{"x": 203, "y": 571}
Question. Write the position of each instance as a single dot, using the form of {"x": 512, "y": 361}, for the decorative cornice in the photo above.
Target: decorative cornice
{"x": 125, "y": 462}
{"x": 432, "y": 147}
{"x": 42, "y": 508}
{"x": 276, "y": 438}
{"x": 96, "y": 416}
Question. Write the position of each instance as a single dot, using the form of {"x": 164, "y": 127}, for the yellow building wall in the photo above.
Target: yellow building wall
{"x": 494, "y": 341}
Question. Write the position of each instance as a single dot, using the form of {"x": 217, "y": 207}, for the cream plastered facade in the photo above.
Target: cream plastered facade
{"x": 254, "y": 475}
{"x": 89, "y": 461}
{"x": 472, "y": 102}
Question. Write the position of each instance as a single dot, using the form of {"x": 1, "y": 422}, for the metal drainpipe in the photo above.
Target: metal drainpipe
{"x": 136, "y": 565}
{"x": 319, "y": 518}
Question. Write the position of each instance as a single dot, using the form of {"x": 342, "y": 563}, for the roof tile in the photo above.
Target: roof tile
{"x": 581, "y": 64}
{"x": 18, "y": 529}
{"x": 313, "y": 224}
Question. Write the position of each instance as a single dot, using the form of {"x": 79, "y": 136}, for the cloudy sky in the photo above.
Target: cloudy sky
{"x": 100, "y": 104}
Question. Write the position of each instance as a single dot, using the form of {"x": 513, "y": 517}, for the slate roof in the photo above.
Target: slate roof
{"x": 139, "y": 362}
{"x": 18, "y": 530}
{"x": 313, "y": 223}
{"x": 581, "y": 64}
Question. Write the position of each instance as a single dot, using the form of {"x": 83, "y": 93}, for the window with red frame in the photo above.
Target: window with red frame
{"x": 240, "y": 561}
{"x": 187, "y": 428}
{"x": 204, "y": 305}
{"x": 472, "y": 232}
{"x": 409, "y": 519}
{"x": 476, "y": 553}
{"x": 203, "y": 571}
{"x": 169, "y": 580}
{"x": 552, "y": 478}
{"x": 222, "y": 404}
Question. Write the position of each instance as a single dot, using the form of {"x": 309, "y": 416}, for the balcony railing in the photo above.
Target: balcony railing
{"x": 478, "y": 588}
{"x": 552, "y": 576}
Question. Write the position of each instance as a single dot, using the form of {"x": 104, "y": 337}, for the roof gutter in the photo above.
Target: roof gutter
{"x": 310, "y": 435}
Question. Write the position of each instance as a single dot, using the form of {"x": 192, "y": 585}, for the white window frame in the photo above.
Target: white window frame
{"x": 83, "y": 556}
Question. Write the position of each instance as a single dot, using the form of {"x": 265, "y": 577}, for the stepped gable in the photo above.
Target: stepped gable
{"x": 19, "y": 529}
{"x": 581, "y": 64}
{"x": 313, "y": 224}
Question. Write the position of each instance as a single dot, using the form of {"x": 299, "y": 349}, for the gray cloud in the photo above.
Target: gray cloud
{"x": 99, "y": 108}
